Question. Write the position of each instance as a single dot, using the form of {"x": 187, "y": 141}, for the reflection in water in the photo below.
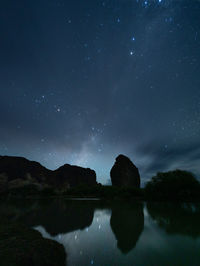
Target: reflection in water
{"x": 177, "y": 218}
{"x": 127, "y": 223}
{"x": 61, "y": 216}
{"x": 93, "y": 232}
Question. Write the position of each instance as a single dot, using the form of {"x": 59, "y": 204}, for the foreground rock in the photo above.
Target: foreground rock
{"x": 18, "y": 172}
{"x": 124, "y": 173}
{"x": 21, "y": 246}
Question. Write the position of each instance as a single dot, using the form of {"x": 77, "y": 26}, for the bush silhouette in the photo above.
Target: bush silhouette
{"x": 173, "y": 185}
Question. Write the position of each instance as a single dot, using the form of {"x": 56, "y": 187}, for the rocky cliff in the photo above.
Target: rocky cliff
{"x": 18, "y": 171}
{"x": 75, "y": 175}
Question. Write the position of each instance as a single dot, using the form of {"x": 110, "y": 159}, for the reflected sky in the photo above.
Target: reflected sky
{"x": 98, "y": 244}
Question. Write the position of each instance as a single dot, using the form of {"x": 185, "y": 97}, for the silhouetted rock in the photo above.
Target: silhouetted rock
{"x": 127, "y": 223}
{"x": 75, "y": 175}
{"x": 21, "y": 246}
{"x": 18, "y": 172}
{"x": 20, "y": 168}
{"x": 124, "y": 173}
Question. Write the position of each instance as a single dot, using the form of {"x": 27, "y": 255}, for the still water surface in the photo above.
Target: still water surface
{"x": 119, "y": 233}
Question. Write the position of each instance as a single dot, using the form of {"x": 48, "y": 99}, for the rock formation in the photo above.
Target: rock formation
{"x": 18, "y": 171}
{"x": 22, "y": 246}
{"x": 124, "y": 173}
{"x": 75, "y": 175}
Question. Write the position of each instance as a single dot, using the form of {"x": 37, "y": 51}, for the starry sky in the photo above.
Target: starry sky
{"x": 84, "y": 81}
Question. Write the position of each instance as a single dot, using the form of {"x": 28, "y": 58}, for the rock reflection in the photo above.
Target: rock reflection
{"x": 61, "y": 216}
{"x": 177, "y": 218}
{"x": 127, "y": 223}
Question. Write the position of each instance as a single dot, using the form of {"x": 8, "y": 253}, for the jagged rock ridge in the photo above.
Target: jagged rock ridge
{"x": 18, "y": 171}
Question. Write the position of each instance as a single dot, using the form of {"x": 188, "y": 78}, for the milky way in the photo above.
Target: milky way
{"x": 83, "y": 81}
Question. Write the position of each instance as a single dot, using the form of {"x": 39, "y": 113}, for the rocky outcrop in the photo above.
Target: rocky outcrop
{"x": 75, "y": 175}
{"x": 125, "y": 173}
{"x": 18, "y": 172}
{"x": 21, "y": 168}
{"x": 22, "y": 246}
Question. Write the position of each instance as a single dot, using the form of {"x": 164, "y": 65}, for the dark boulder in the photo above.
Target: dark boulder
{"x": 22, "y": 246}
{"x": 125, "y": 173}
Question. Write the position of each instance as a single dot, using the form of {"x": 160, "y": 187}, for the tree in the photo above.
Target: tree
{"x": 172, "y": 185}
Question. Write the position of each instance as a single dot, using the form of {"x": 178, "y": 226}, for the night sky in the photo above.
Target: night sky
{"x": 83, "y": 81}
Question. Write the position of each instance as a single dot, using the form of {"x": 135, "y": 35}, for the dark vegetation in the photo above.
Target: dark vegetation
{"x": 173, "y": 185}
{"x": 81, "y": 191}
{"x": 105, "y": 192}
{"x": 170, "y": 186}
{"x": 31, "y": 190}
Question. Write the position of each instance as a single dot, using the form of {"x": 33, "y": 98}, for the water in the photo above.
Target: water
{"x": 119, "y": 233}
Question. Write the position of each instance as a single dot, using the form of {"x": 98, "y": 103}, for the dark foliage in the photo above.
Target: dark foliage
{"x": 106, "y": 192}
{"x": 173, "y": 185}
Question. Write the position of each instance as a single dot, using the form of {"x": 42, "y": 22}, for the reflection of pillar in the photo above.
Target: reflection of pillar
{"x": 127, "y": 223}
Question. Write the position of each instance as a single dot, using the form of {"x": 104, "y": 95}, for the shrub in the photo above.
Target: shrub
{"x": 172, "y": 185}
